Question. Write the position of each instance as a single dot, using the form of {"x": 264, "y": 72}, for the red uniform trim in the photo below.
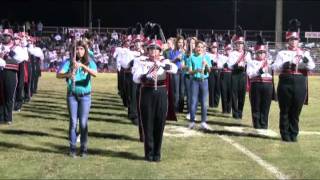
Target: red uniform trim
{"x": 12, "y": 67}
{"x": 260, "y": 79}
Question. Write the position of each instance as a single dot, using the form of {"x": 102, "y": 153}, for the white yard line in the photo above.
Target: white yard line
{"x": 272, "y": 169}
{"x": 178, "y": 131}
{"x": 309, "y": 133}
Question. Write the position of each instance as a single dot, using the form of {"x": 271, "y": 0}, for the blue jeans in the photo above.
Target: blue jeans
{"x": 187, "y": 84}
{"x": 79, "y": 107}
{"x": 178, "y": 90}
{"x": 199, "y": 89}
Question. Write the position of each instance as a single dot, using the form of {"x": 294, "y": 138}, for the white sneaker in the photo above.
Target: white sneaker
{"x": 188, "y": 116}
{"x": 205, "y": 126}
{"x": 78, "y": 138}
{"x": 192, "y": 125}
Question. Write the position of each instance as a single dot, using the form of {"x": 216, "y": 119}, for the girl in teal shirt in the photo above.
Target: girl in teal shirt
{"x": 78, "y": 75}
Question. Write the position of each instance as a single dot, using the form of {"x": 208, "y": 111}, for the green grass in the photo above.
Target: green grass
{"x": 36, "y": 145}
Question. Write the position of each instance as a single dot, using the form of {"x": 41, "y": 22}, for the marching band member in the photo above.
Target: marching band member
{"x": 36, "y": 57}
{"x": 294, "y": 64}
{"x": 139, "y": 61}
{"x": 153, "y": 98}
{"x": 124, "y": 57}
{"x": 12, "y": 55}
{"x": 18, "y": 37}
{"x": 225, "y": 78}
{"x": 261, "y": 87}
{"x": 237, "y": 63}
{"x": 214, "y": 76}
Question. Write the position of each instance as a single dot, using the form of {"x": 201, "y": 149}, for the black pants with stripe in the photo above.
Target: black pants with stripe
{"x": 260, "y": 99}
{"x": 20, "y": 87}
{"x": 121, "y": 87}
{"x": 238, "y": 86}
{"x": 27, "y": 86}
{"x": 9, "y": 80}
{"x": 131, "y": 91}
{"x": 36, "y": 73}
{"x": 153, "y": 109}
{"x": 214, "y": 88}
{"x": 119, "y": 83}
{"x": 141, "y": 136}
{"x": 291, "y": 96}
{"x": 226, "y": 93}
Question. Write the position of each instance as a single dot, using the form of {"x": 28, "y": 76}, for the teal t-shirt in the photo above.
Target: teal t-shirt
{"x": 186, "y": 60}
{"x": 82, "y": 79}
{"x": 195, "y": 62}
{"x": 91, "y": 54}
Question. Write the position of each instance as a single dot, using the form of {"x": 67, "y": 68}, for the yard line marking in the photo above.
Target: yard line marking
{"x": 177, "y": 131}
{"x": 274, "y": 170}
{"x": 251, "y": 131}
{"x": 309, "y": 133}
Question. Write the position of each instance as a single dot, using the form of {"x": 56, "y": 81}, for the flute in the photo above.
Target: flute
{"x": 73, "y": 67}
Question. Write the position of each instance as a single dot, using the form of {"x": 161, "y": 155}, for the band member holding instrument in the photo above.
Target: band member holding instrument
{"x": 237, "y": 62}
{"x": 153, "y": 98}
{"x": 225, "y": 78}
{"x": 12, "y": 54}
{"x": 214, "y": 76}
{"x": 261, "y": 87}
{"x": 78, "y": 70}
{"x": 293, "y": 64}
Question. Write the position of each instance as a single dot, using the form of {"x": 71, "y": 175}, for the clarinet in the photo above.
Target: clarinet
{"x": 156, "y": 78}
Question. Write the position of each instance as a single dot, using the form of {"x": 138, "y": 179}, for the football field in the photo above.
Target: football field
{"x": 36, "y": 144}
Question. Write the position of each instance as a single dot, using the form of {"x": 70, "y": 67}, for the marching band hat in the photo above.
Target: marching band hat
{"x": 260, "y": 46}
{"x": 239, "y": 38}
{"x": 8, "y": 32}
{"x": 155, "y": 44}
{"x": 293, "y": 31}
{"x": 227, "y": 44}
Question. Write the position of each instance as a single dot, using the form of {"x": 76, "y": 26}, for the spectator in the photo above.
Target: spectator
{"x": 28, "y": 27}
{"x": 39, "y": 28}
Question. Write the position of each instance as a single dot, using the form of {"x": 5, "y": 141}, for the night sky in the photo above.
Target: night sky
{"x": 202, "y": 14}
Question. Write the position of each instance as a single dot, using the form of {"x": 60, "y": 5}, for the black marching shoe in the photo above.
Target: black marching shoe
{"x": 156, "y": 158}
{"x": 285, "y": 138}
{"x": 135, "y": 121}
{"x": 148, "y": 158}
{"x": 294, "y": 139}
